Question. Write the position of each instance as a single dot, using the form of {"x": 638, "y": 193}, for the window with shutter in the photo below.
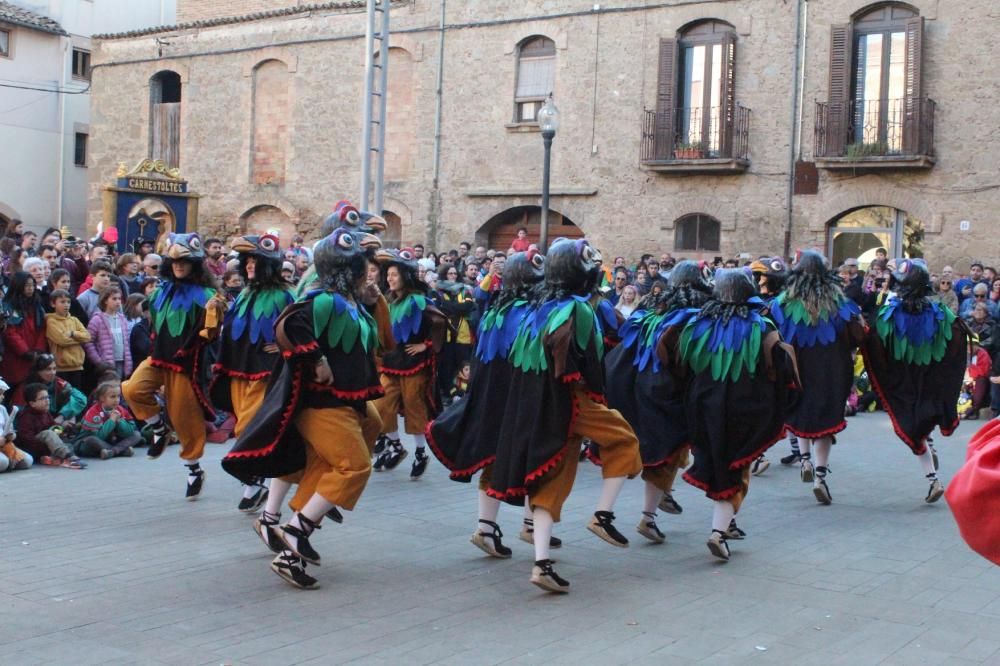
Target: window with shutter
{"x": 81, "y": 64}
{"x": 913, "y": 107}
{"x": 80, "y": 149}
{"x": 882, "y": 98}
{"x": 705, "y": 90}
{"x": 4, "y": 43}
{"x": 165, "y": 117}
{"x": 536, "y": 68}
{"x": 876, "y": 106}
{"x": 665, "y": 112}
{"x": 838, "y": 109}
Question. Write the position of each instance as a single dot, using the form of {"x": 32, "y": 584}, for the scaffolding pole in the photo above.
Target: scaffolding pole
{"x": 373, "y": 123}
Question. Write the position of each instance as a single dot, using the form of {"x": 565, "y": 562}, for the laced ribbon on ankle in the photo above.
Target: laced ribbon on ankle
{"x": 496, "y": 528}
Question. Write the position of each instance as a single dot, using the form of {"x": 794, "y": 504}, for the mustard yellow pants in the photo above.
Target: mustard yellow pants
{"x": 614, "y": 437}
{"x": 407, "y": 395}
{"x": 663, "y": 476}
{"x": 247, "y": 396}
{"x": 183, "y": 408}
{"x": 338, "y": 460}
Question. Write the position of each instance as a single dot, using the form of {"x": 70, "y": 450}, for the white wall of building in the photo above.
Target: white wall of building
{"x": 39, "y": 182}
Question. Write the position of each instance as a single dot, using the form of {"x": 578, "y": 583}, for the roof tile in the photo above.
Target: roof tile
{"x": 10, "y": 13}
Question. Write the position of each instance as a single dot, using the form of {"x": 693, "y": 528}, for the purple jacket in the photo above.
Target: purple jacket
{"x": 101, "y": 348}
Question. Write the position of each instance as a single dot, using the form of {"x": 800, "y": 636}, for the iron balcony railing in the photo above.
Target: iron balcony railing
{"x": 859, "y": 129}
{"x": 696, "y": 133}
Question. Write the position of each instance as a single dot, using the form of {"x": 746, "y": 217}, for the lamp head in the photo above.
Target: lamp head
{"x": 548, "y": 116}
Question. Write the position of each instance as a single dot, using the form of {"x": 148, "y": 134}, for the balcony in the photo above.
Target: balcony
{"x": 873, "y": 135}
{"x": 690, "y": 141}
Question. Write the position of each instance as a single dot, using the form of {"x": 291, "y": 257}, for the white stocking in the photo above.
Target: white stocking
{"x": 543, "y": 533}
{"x": 276, "y": 497}
{"x": 609, "y": 493}
{"x": 823, "y": 446}
{"x": 653, "y": 495}
{"x": 927, "y": 462}
{"x": 315, "y": 509}
{"x": 722, "y": 514}
{"x": 489, "y": 507}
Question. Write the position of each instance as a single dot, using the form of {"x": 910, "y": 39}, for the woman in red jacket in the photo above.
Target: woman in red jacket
{"x": 24, "y": 338}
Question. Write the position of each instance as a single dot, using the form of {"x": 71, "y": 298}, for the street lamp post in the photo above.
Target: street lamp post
{"x": 548, "y": 121}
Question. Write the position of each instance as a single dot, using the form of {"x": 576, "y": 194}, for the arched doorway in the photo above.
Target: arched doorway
{"x": 860, "y": 231}
{"x": 393, "y": 235}
{"x": 501, "y": 229}
{"x": 264, "y": 218}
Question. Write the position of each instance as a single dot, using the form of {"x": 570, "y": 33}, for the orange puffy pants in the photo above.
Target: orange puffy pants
{"x": 186, "y": 414}
{"x": 247, "y": 396}
{"x": 406, "y": 394}
{"x": 664, "y": 475}
{"x": 618, "y": 446}
{"x": 338, "y": 461}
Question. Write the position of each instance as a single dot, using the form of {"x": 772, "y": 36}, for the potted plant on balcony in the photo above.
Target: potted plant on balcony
{"x": 859, "y": 151}
{"x": 688, "y": 151}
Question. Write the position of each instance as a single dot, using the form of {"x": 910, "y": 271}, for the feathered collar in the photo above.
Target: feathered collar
{"x": 797, "y": 326}
{"x": 725, "y": 339}
{"x": 917, "y": 337}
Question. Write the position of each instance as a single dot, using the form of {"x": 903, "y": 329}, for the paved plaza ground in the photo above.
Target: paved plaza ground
{"x": 111, "y": 566}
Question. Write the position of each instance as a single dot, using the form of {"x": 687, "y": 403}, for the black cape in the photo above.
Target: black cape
{"x": 271, "y": 446}
{"x": 827, "y": 373}
{"x": 919, "y": 398}
{"x": 537, "y": 419}
{"x": 732, "y": 423}
{"x": 651, "y": 400}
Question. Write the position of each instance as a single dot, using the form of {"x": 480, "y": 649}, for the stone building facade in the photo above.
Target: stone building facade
{"x": 703, "y": 128}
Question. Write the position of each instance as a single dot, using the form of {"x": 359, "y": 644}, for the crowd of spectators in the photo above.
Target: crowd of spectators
{"x": 75, "y": 320}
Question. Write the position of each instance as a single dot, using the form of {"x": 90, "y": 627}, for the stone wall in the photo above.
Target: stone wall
{"x": 606, "y": 74}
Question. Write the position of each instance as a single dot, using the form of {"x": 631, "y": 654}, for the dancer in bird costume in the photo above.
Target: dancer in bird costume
{"x": 344, "y": 216}
{"x": 249, "y": 350}
{"x": 314, "y": 417}
{"x": 408, "y": 371}
{"x": 769, "y": 275}
{"x": 464, "y": 437}
{"x": 556, "y": 400}
{"x": 649, "y": 396}
{"x": 738, "y": 397}
{"x": 186, "y": 313}
{"x": 916, "y": 359}
{"x": 372, "y": 301}
{"x": 824, "y": 327}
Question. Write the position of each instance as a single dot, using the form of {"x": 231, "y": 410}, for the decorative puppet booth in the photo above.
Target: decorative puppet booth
{"x": 150, "y": 201}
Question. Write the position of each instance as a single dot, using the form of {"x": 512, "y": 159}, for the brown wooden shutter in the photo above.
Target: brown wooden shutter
{"x": 665, "y": 88}
{"x": 838, "y": 109}
{"x": 166, "y": 135}
{"x": 913, "y": 91}
{"x": 728, "y": 111}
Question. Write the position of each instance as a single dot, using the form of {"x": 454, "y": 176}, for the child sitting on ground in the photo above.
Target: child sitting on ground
{"x": 11, "y": 457}
{"x": 66, "y": 335}
{"x": 108, "y": 428}
{"x": 38, "y": 433}
{"x": 977, "y": 380}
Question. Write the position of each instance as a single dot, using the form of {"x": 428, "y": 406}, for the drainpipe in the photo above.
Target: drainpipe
{"x": 61, "y": 161}
{"x": 435, "y": 203}
{"x": 795, "y": 135}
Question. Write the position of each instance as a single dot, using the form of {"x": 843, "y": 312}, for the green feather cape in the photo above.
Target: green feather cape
{"x": 344, "y": 323}
{"x": 528, "y": 352}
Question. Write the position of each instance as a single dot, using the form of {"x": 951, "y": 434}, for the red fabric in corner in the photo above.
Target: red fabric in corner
{"x": 974, "y": 493}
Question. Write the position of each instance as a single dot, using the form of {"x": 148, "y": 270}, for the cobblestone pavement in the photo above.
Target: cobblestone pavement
{"x": 111, "y": 566}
